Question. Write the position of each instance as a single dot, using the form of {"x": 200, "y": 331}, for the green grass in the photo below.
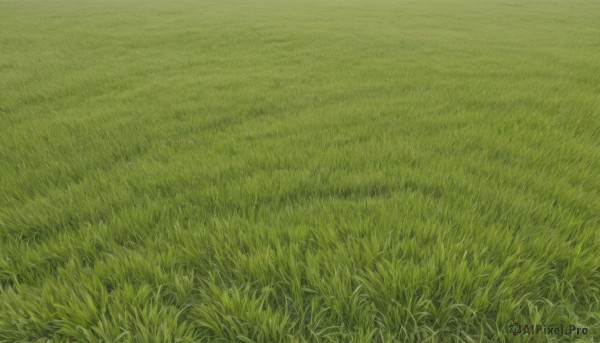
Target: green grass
{"x": 274, "y": 171}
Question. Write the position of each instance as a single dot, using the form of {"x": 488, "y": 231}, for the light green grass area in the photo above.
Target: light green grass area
{"x": 291, "y": 171}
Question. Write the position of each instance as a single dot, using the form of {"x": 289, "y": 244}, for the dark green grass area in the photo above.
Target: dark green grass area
{"x": 290, "y": 171}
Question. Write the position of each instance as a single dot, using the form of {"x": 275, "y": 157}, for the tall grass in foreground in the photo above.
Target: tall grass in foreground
{"x": 290, "y": 171}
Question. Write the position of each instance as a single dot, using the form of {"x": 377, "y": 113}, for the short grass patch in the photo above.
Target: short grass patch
{"x": 290, "y": 171}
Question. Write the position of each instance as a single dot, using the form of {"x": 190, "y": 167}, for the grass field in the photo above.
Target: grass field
{"x": 290, "y": 171}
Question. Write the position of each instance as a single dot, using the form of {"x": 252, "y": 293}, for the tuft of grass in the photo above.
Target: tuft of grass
{"x": 298, "y": 171}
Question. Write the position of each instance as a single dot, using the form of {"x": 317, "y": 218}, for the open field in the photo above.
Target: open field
{"x": 290, "y": 171}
